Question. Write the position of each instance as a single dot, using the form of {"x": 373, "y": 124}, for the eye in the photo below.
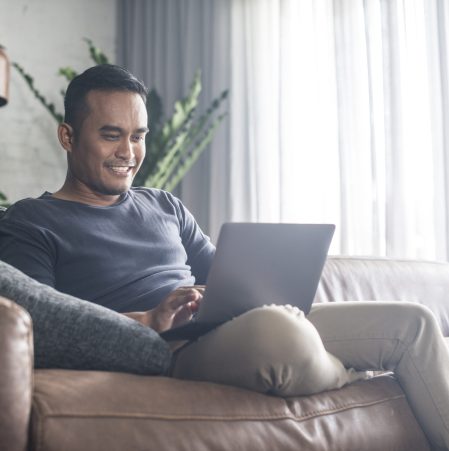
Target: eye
{"x": 138, "y": 138}
{"x": 111, "y": 137}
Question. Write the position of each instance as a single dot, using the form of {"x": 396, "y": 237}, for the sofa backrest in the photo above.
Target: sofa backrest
{"x": 373, "y": 278}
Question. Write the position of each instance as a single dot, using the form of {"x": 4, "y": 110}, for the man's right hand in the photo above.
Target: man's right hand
{"x": 177, "y": 308}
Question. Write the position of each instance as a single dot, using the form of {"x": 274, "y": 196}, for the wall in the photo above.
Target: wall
{"x": 43, "y": 36}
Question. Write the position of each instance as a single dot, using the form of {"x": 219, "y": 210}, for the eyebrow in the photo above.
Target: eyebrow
{"x": 114, "y": 128}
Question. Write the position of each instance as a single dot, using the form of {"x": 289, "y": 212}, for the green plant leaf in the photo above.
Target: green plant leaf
{"x": 184, "y": 166}
{"x": 97, "y": 56}
{"x": 67, "y": 72}
{"x": 165, "y": 164}
{"x": 3, "y": 200}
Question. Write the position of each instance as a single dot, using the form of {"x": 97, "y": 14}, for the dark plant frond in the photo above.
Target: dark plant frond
{"x": 155, "y": 110}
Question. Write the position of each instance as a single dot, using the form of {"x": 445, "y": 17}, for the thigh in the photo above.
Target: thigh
{"x": 368, "y": 334}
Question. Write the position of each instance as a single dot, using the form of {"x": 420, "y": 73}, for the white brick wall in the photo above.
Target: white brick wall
{"x": 43, "y": 35}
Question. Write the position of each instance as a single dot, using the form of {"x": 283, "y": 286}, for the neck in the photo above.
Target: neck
{"x": 74, "y": 193}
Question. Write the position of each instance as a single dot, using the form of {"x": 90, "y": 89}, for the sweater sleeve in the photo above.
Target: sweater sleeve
{"x": 200, "y": 250}
{"x": 28, "y": 249}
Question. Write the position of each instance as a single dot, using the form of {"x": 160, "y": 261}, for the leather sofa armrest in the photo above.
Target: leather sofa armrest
{"x": 16, "y": 373}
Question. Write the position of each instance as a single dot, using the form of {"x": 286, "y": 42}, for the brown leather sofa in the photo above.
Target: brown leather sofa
{"x": 62, "y": 410}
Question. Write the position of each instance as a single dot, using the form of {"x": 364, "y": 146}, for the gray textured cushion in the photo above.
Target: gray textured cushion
{"x": 75, "y": 334}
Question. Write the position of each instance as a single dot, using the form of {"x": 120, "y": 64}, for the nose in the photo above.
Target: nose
{"x": 124, "y": 150}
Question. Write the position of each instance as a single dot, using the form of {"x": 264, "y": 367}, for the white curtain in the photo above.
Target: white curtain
{"x": 338, "y": 112}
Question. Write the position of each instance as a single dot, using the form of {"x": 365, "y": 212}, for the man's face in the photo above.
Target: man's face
{"x": 109, "y": 146}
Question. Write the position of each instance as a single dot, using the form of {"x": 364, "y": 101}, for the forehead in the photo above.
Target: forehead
{"x": 116, "y": 107}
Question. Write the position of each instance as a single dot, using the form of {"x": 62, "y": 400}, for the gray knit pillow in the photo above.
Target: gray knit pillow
{"x": 74, "y": 334}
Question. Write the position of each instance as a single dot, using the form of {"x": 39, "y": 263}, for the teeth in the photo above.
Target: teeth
{"x": 120, "y": 169}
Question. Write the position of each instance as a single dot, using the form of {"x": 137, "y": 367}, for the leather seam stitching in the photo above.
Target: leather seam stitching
{"x": 311, "y": 415}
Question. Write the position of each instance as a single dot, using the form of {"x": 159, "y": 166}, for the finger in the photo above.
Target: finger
{"x": 200, "y": 288}
{"x": 185, "y": 312}
{"x": 183, "y": 315}
{"x": 181, "y": 297}
{"x": 194, "y": 306}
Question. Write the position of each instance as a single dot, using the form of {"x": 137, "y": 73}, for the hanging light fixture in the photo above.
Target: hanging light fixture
{"x": 4, "y": 77}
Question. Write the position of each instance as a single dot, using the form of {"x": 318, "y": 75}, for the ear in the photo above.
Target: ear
{"x": 65, "y": 136}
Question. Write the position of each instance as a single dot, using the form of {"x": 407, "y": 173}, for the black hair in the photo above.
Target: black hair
{"x": 104, "y": 77}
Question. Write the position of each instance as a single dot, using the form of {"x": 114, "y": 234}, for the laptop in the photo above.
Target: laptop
{"x": 257, "y": 264}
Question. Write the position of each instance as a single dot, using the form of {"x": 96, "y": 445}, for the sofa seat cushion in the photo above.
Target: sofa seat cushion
{"x": 104, "y": 411}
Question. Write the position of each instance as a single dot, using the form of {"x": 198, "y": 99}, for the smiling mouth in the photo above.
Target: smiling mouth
{"x": 121, "y": 170}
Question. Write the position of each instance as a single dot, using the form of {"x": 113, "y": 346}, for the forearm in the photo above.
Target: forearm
{"x": 141, "y": 317}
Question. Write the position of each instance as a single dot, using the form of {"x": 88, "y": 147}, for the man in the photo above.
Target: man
{"x": 103, "y": 154}
{"x": 140, "y": 252}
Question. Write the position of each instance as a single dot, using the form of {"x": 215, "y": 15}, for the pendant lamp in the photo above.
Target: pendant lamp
{"x": 4, "y": 77}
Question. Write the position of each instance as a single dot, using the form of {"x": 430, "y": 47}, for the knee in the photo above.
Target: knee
{"x": 275, "y": 318}
{"x": 411, "y": 321}
{"x": 417, "y": 314}
{"x": 291, "y": 358}
{"x": 282, "y": 334}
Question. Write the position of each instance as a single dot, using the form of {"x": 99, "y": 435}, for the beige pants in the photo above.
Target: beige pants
{"x": 277, "y": 350}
